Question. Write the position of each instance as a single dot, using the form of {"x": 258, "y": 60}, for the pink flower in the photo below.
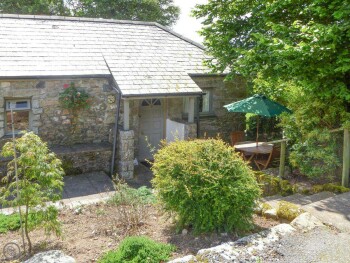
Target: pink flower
{"x": 65, "y": 86}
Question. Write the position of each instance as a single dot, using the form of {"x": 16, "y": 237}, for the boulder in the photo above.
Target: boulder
{"x": 271, "y": 213}
{"x": 186, "y": 259}
{"x": 52, "y": 256}
{"x": 306, "y": 222}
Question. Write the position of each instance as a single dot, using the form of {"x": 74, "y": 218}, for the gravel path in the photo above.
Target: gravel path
{"x": 318, "y": 245}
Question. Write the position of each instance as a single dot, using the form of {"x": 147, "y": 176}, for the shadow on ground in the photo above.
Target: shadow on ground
{"x": 99, "y": 182}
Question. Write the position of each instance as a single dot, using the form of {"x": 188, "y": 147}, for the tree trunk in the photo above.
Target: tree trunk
{"x": 26, "y": 229}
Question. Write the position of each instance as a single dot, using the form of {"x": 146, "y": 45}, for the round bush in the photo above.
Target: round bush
{"x": 207, "y": 184}
{"x": 136, "y": 249}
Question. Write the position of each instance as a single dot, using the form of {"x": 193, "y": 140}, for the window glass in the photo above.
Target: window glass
{"x": 20, "y": 115}
{"x": 151, "y": 102}
{"x": 204, "y": 104}
{"x": 17, "y": 104}
{"x": 20, "y": 120}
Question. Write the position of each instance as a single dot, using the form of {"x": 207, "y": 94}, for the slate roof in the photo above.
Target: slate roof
{"x": 144, "y": 58}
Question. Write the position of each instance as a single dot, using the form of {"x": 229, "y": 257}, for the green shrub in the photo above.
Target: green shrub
{"x": 138, "y": 249}
{"x": 9, "y": 222}
{"x": 206, "y": 183}
{"x": 272, "y": 185}
{"x": 125, "y": 195}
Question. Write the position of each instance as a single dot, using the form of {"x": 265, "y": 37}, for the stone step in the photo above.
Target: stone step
{"x": 333, "y": 210}
{"x": 298, "y": 199}
{"x": 271, "y": 198}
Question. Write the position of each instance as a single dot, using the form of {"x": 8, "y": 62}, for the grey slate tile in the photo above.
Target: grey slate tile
{"x": 143, "y": 57}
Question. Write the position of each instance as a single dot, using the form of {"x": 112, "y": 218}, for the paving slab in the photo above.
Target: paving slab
{"x": 142, "y": 177}
{"x": 334, "y": 211}
{"x": 86, "y": 184}
{"x": 91, "y": 188}
{"x": 298, "y": 199}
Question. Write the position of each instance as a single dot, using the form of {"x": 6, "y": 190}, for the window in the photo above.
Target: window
{"x": 205, "y": 103}
{"x": 21, "y": 114}
{"x": 151, "y": 102}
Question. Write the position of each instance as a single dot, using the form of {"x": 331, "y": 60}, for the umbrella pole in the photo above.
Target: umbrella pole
{"x": 257, "y": 130}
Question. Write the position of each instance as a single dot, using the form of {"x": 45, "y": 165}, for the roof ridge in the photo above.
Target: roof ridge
{"x": 102, "y": 20}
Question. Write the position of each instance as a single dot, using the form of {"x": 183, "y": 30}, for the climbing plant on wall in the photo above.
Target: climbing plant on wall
{"x": 73, "y": 98}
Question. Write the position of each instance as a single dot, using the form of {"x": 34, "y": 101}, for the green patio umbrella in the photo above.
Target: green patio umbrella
{"x": 259, "y": 105}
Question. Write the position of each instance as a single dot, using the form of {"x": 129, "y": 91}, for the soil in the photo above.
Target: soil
{"x": 90, "y": 231}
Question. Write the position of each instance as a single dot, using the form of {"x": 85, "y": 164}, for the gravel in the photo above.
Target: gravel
{"x": 317, "y": 245}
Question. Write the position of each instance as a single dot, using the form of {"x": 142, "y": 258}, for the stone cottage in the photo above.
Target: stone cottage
{"x": 146, "y": 83}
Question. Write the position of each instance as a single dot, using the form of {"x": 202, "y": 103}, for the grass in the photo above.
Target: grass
{"x": 9, "y": 223}
{"x": 12, "y": 222}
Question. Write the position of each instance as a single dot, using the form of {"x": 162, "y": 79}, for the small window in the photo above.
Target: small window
{"x": 205, "y": 103}
{"x": 151, "y": 102}
{"x": 19, "y": 117}
{"x": 17, "y": 105}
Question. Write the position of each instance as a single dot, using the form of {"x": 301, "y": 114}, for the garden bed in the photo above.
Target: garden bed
{"x": 90, "y": 231}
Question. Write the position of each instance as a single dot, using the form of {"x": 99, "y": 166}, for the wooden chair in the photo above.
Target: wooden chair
{"x": 237, "y": 136}
{"x": 264, "y": 160}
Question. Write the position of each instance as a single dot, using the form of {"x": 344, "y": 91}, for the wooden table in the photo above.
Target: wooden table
{"x": 251, "y": 149}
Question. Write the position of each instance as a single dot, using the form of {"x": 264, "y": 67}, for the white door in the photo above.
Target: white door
{"x": 151, "y": 127}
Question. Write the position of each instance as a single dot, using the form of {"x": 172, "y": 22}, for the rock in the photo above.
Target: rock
{"x": 222, "y": 253}
{"x": 189, "y": 258}
{"x": 271, "y": 213}
{"x": 306, "y": 222}
{"x": 246, "y": 247}
{"x": 184, "y": 232}
{"x": 283, "y": 229}
{"x": 52, "y": 256}
{"x": 258, "y": 209}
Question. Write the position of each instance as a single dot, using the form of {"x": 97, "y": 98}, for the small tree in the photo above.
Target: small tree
{"x": 40, "y": 180}
{"x": 207, "y": 184}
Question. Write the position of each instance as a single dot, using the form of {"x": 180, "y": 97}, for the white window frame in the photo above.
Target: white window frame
{"x": 208, "y": 92}
{"x": 8, "y": 103}
{"x": 8, "y": 109}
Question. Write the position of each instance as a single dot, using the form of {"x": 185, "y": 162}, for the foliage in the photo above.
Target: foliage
{"x": 297, "y": 52}
{"x": 126, "y": 195}
{"x": 138, "y": 249}
{"x": 272, "y": 185}
{"x": 12, "y": 222}
{"x": 74, "y": 98}
{"x": 40, "y": 180}
{"x": 9, "y": 222}
{"x": 132, "y": 211}
{"x": 268, "y": 128}
{"x": 288, "y": 211}
{"x": 34, "y": 7}
{"x": 161, "y": 11}
{"x": 206, "y": 183}
{"x": 333, "y": 188}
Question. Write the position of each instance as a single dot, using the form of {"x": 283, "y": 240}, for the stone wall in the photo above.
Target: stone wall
{"x": 125, "y": 154}
{"x": 53, "y": 123}
{"x": 190, "y": 130}
{"x": 222, "y": 122}
{"x": 77, "y": 159}
{"x": 82, "y": 158}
